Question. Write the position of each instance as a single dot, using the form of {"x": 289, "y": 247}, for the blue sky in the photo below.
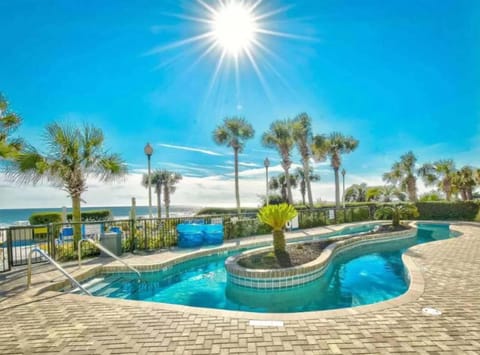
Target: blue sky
{"x": 397, "y": 75}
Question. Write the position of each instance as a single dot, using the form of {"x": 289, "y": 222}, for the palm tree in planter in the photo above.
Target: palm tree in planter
{"x": 73, "y": 155}
{"x": 396, "y": 212}
{"x": 277, "y": 216}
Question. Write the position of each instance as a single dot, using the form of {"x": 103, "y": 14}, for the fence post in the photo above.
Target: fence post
{"x": 51, "y": 240}
{"x": 145, "y": 233}
{"x": 9, "y": 248}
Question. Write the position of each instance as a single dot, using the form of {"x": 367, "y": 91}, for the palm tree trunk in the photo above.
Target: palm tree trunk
{"x": 159, "y": 201}
{"x": 306, "y": 172}
{"x": 448, "y": 190}
{"x": 337, "y": 187}
{"x": 302, "y": 190}
{"x": 278, "y": 242}
{"x": 412, "y": 189}
{"x": 289, "y": 187}
{"x": 76, "y": 219}
{"x": 237, "y": 189}
{"x": 166, "y": 199}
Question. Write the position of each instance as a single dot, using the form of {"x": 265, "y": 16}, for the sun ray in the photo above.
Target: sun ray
{"x": 181, "y": 43}
{"x": 217, "y": 70}
{"x": 285, "y": 35}
{"x": 273, "y": 12}
{"x": 207, "y": 7}
{"x": 259, "y": 73}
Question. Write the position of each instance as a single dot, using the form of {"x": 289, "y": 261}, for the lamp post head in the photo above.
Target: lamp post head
{"x": 343, "y": 172}
{"x": 266, "y": 163}
{"x": 148, "y": 150}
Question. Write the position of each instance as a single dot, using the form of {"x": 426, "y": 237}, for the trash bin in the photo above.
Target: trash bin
{"x": 112, "y": 242}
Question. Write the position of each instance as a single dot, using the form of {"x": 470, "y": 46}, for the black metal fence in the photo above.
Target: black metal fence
{"x": 149, "y": 234}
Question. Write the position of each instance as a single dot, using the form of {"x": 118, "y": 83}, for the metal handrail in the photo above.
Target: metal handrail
{"x": 106, "y": 251}
{"x": 61, "y": 269}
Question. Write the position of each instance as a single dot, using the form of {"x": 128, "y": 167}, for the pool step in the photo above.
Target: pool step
{"x": 99, "y": 286}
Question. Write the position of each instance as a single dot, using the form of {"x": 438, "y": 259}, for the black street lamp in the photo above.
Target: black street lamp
{"x": 148, "y": 150}
{"x": 266, "y": 163}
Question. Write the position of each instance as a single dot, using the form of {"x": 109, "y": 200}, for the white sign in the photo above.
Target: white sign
{"x": 331, "y": 214}
{"x": 92, "y": 229}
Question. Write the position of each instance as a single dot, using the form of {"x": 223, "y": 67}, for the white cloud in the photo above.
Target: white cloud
{"x": 191, "y": 149}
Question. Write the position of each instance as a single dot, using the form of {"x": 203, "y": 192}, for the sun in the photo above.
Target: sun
{"x": 234, "y": 28}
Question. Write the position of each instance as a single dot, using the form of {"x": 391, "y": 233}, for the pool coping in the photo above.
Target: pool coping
{"x": 415, "y": 290}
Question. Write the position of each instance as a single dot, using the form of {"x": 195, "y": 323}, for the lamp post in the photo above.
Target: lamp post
{"x": 148, "y": 150}
{"x": 343, "y": 195}
{"x": 266, "y": 163}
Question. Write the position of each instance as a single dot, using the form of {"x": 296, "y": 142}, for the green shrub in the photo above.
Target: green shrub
{"x": 45, "y": 218}
{"x": 462, "y": 211}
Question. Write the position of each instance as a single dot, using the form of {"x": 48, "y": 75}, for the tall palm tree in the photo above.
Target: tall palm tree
{"x": 233, "y": 133}
{"x": 302, "y": 134}
{"x": 280, "y": 137}
{"x": 465, "y": 181}
{"x": 157, "y": 180}
{"x": 333, "y": 146}
{"x": 402, "y": 175}
{"x": 305, "y": 180}
{"x": 357, "y": 193}
{"x": 441, "y": 173}
{"x": 171, "y": 179}
{"x": 280, "y": 183}
{"x": 73, "y": 154}
{"x": 9, "y": 121}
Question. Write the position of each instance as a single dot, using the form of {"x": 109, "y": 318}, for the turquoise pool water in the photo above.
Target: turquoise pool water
{"x": 360, "y": 276}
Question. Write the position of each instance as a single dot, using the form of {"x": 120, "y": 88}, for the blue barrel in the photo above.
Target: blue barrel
{"x": 212, "y": 234}
{"x": 190, "y": 235}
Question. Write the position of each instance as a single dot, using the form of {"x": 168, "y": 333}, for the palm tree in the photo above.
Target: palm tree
{"x": 280, "y": 183}
{"x": 333, "y": 146}
{"x": 157, "y": 180}
{"x": 442, "y": 173}
{"x": 171, "y": 179}
{"x": 357, "y": 193}
{"x": 396, "y": 212}
{"x": 73, "y": 155}
{"x": 465, "y": 181}
{"x": 305, "y": 180}
{"x": 402, "y": 175}
{"x": 280, "y": 137}
{"x": 9, "y": 121}
{"x": 277, "y": 216}
{"x": 302, "y": 134}
{"x": 385, "y": 193}
{"x": 233, "y": 133}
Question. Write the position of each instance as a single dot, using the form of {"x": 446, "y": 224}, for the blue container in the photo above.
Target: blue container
{"x": 212, "y": 234}
{"x": 190, "y": 235}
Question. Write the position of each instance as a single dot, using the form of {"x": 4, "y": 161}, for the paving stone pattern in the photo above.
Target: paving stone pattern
{"x": 72, "y": 324}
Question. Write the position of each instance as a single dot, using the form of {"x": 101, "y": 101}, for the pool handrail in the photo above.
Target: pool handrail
{"x": 106, "y": 251}
{"x": 54, "y": 263}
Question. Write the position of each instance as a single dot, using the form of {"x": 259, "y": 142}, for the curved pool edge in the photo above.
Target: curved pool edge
{"x": 415, "y": 290}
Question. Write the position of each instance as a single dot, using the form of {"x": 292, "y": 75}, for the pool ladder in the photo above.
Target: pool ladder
{"x": 54, "y": 263}
{"x": 106, "y": 251}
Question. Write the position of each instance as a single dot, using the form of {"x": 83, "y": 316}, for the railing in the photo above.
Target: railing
{"x": 106, "y": 251}
{"x": 61, "y": 269}
{"x": 150, "y": 234}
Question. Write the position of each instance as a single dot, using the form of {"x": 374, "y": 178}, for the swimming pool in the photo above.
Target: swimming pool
{"x": 359, "y": 276}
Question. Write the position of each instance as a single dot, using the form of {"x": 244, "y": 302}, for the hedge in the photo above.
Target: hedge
{"x": 45, "y": 218}
{"x": 460, "y": 211}
{"x": 56, "y": 217}
{"x": 89, "y": 216}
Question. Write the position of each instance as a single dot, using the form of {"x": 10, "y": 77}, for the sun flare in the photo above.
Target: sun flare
{"x": 234, "y": 28}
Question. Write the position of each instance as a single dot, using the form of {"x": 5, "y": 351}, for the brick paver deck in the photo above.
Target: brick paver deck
{"x": 449, "y": 280}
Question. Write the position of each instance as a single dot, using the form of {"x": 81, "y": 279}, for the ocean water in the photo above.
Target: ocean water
{"x": 15, "y": 216}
